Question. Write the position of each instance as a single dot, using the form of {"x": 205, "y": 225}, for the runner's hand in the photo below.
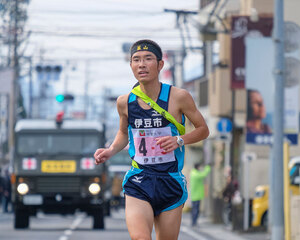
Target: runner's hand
{"x": 101, "y": 155}
{"x": 167, "y": 143}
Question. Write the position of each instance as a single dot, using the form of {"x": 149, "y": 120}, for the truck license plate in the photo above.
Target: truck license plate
{"x": 65, "y": 166}
{"x": 32, "y": 200}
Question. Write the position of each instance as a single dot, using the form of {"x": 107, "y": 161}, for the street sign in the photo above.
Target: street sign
{"x": 225, "y": 137}
{"x": 224, "y": 125}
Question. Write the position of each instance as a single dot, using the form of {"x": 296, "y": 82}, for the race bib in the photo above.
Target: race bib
{"x": 146, "y": 149}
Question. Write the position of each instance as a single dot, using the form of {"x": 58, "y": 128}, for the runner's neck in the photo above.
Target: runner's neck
{"x": 151, "y": 90}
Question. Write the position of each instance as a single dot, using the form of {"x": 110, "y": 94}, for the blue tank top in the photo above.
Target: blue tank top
{"x": 144, "y": 126}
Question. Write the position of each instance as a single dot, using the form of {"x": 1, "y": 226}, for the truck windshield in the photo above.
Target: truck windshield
{"x": 29, "y": 144}
{"x": 121, "y": 158}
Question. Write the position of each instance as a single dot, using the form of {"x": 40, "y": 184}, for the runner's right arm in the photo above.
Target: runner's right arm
{"x": 121, "y": 140}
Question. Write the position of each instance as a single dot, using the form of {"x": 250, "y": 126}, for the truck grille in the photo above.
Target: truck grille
{"x": 58, "y": 184}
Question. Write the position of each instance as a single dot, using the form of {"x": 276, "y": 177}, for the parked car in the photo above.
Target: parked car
{"x": 260, "y": 204}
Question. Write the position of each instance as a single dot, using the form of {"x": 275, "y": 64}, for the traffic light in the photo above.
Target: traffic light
{"x": 60, "y": 98}
{"x": 48, "y": 72}
{"x": 59, "y": 118}
{"x": 69, "y": 97}
{"x": 64, "y": 97}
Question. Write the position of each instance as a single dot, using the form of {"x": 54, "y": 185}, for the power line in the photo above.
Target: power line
{"x": 95, "y": 12}
{"x": 100, "y": 35}
{"x": 85, "y": 28}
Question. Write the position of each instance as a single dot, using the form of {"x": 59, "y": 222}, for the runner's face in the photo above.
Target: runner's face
{"x": 145, "y": 67}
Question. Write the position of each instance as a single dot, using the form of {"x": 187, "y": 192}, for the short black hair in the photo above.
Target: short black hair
{"x": 147, "y": 41}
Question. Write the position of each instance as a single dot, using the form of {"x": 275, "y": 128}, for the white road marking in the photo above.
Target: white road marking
{"x": 63, "y": 238}
{"x": 68, "y": 232}
{"x": 77, "y": 221}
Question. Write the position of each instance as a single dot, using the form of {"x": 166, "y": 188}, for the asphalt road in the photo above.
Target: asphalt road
{"x": 76, "y": 227}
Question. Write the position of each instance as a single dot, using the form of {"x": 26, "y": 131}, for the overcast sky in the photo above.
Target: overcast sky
{"x": 70, "y": 32}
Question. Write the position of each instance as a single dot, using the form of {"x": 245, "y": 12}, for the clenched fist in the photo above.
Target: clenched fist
{"x": 101, "y": 155}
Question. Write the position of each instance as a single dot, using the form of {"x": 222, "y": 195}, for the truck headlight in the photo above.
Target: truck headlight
{"x": 94, "y": 188}
{"x": 22, "y": 188}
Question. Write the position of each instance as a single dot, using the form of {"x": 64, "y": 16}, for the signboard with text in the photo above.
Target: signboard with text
{"x": 243, "y": 27}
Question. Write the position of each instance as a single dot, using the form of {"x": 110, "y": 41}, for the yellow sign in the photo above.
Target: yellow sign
{"x": 65, "y": 166}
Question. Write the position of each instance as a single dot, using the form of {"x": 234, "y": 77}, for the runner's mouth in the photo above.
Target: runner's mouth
{"x": 143, "y": 73}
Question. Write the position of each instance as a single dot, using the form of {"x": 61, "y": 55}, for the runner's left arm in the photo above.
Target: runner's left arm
{"x": 186, "y": 106}
{"x": 189, "y": 109}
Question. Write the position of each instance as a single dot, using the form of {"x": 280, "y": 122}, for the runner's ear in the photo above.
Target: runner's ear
{"x": 161, "y": 64}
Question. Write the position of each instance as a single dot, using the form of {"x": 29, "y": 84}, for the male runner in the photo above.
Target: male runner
{"x": 155, "y": 189}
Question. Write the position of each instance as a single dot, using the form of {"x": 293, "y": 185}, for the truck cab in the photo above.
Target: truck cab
{"x": 54, "y": 170}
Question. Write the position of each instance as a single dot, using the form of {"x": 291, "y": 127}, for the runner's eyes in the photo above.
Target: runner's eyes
{"x": 138, "y": 60}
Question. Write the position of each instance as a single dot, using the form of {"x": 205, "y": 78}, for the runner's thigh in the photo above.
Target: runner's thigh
{"x": 167, "y": 224}
{"x": 139, "y": 218}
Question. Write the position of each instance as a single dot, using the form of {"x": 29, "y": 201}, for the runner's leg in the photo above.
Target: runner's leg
{"x": 167, "y": 224}
{"x": 139, "y": 218}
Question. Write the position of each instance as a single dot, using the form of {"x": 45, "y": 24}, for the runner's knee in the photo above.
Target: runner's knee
{"x": 140, "y": 236}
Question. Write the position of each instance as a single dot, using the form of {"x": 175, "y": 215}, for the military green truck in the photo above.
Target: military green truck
{"x": 54, "y": 170}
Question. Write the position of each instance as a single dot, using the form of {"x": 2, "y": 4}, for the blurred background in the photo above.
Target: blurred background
{"x": 64, "y": 63}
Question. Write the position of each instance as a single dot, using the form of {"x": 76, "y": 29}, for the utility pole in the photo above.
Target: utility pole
{"x": 277, "y": 221}
{"x": 15, "y": 12}
{"x": 179, "y": 60}
{"x": 15, "y": 90}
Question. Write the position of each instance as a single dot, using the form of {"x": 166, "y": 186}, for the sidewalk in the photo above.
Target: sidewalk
{"x": 206, "y": 230}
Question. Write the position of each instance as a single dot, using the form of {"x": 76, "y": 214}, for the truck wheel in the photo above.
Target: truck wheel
{"x": 107, "y": 206}
{"x": 98, "y": 219}
{"x": 21, "y": 219}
